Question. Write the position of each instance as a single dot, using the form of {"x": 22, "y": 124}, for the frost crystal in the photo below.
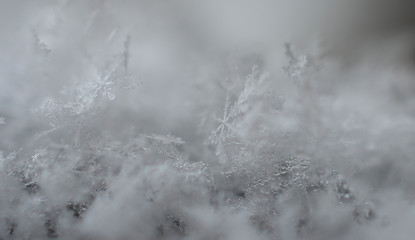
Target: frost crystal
{"x": 41, "y": 47}
{"x": 298, "y": 66}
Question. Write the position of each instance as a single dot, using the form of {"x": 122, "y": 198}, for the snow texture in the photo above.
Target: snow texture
{"x": 218, "y": 119}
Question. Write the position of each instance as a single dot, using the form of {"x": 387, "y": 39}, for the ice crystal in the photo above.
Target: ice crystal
{"x": 297, "y": 65}
{"x": 41, "y": 47}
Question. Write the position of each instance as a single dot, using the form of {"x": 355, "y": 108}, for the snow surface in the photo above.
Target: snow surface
{"x": 219, "y": 119}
